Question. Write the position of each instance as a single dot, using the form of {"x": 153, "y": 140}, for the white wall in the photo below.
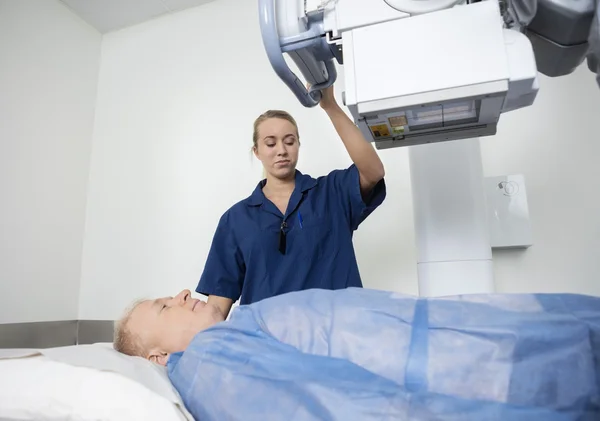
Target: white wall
{"x": 177, "y": 98}
{"x": 556, "y": 145}
{"x": 49, "y": 63}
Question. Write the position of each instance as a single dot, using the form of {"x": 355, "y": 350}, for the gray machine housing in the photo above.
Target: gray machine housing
{"x": 561, "y": 33}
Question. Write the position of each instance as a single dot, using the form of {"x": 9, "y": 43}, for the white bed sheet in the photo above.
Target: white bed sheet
{"x": 85, "y": 382}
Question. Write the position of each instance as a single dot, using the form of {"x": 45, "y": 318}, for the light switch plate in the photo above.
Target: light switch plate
{"x": 508, "y": 212}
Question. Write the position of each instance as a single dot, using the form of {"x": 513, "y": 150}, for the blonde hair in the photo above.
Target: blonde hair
{"x": 125, "y": 341}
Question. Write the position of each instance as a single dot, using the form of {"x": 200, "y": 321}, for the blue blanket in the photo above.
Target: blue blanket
{"x": 359, "y": 354}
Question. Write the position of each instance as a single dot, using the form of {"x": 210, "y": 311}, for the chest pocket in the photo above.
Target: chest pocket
{"x": 313, "y": 238}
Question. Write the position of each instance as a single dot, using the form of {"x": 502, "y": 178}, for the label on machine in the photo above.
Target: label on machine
{"x": 380, "y": 130}
{"x": 396, "y": 125}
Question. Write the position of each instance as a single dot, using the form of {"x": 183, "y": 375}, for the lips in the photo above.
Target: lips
{"x": 283, "y": 162}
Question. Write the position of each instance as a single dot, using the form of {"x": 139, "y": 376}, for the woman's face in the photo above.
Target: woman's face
{"x": 277, "y": 147}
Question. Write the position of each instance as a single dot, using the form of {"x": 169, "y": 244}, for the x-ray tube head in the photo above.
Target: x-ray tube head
{"x": 417, "y": 78}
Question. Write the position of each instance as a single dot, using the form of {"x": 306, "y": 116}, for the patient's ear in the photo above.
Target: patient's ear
{"x": 159, "y": 357}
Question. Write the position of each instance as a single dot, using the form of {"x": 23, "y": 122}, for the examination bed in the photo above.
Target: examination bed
{"x": 85, "y": 383}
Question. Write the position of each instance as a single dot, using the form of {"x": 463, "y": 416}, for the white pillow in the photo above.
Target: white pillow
{"x": 85, "y": 382}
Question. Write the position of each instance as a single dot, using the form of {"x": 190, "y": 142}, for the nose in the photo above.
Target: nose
{"x": 281, "y": 149}
{"x": 183, "y": 297}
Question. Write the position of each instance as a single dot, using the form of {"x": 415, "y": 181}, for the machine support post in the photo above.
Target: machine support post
{"x": 454, "y": 255}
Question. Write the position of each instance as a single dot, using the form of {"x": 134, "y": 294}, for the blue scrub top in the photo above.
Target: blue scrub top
{"x": 246, "y": 262}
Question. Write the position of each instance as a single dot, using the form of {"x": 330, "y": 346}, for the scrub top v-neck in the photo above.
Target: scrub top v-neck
{"x": 257, "y": 252}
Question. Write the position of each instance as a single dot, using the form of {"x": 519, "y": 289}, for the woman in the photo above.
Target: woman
{"x": 294, "y": 232}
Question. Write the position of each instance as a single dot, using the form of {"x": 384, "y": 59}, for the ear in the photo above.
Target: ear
{"x": 158, "y": 357}
{"x": 255, "y": 151}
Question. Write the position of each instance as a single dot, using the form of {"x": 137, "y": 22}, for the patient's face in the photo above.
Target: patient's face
{"x": 169, "y": 324}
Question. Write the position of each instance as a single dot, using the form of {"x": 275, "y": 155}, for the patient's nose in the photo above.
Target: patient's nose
{"x": 183, "y": 296}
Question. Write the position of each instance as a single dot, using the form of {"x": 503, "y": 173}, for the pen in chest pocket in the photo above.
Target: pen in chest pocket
{"x": 300, "y": 220}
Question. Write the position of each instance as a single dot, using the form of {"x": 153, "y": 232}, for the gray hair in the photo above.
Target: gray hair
{"x": 125, "y": 341}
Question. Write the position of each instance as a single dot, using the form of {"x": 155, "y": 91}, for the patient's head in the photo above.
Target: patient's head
{"x": 154, "y": 329}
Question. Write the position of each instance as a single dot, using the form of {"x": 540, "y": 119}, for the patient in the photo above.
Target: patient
{"x": 359, "y": 354}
